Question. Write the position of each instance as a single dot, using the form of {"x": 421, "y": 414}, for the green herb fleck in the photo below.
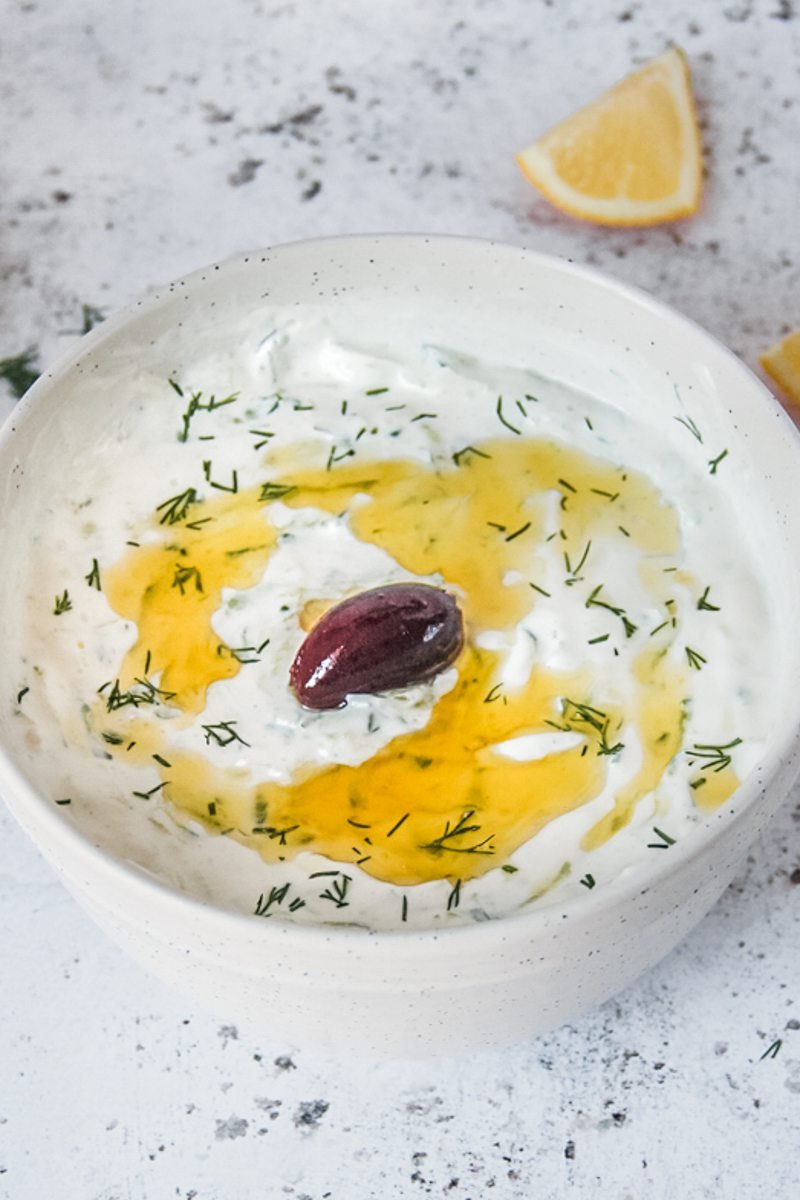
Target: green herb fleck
{"x": 705, "y": 605}
{"x": 503, "y": 420}
{"x": 20, "y": 371}
{"x": 93, "y": 578}
{"x": 222, "y": 734}
{"x": 62, "y": 604}
{"x": 713, "y": 463}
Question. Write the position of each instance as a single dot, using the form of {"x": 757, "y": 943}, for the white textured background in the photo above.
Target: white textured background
{"x": 143, "y": 139}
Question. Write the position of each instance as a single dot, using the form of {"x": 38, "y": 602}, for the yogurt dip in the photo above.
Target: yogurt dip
{"x": 614, "y": 687}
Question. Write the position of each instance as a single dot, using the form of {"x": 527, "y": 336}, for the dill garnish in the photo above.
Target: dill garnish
{"x": 454, "y": 898}
{"x": 522, "y": 529}
{"x": 536, "y": 588}
{"x": 712, "y": 758}
{"x": 21, "y": 694}
{"x": 595, "y": 718}
{"x": 713, "y": 463}
{"x": 459, "y": 830}
{"x": 142, "y": 692}
{"x": 152, "y": 792}
{"x": 262, "y": 436}
{"x": 376, "y": 391}
{"x": 594, "y": 602}
{"x": 337, "y": 891}
{"x": 276, "y": 491}
{"x": 696, "y": 659}
{"x": 62, "y": 604}
{"x": 494, "y": 694}
{"x": 93, "y": 578}
{"x": 185, "y": 575}
{"x": 459, "y": 454}
{"x": 588, "y": 881}
{"x": 689, "y": 424}
{"x": 704, "y": 603}
{"x": 664, "y": 844}
{"x": 195, "y": 405}
{"x": 264, "y": 903}
{"x": 222, "y": 734}
{"x": 221, "y": 487}
{"x": 610, "y": 496}
{"x": 573, "y": 572}
{"x": 272, "y": 832}
{"x": 509, "y": 869}
{"x": 773, "y": 1050}
{"x": 396, "y": 826}
{"x": 404, "y": 916}
{"x": 503, "y": 420}
{"x": 176, "y": 508}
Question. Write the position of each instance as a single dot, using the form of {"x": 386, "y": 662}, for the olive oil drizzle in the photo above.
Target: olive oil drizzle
{"x": 441, "y": 802}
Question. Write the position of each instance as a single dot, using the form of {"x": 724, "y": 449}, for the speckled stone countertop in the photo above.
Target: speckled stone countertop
{"x": 141, "y": 140}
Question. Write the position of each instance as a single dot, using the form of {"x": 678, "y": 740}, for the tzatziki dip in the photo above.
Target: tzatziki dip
{"x": 610, "y": 692}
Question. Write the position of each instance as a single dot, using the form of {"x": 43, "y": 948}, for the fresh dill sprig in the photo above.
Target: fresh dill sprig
{"x": 272, "y": 832}
{"x": 595, "y": 718}
{"x": 262, "y": 437}
{"x": 143, "y": 691}
{"x": 461, "y": 829}
{"x": 503, "y": 420}
{"x": 689, "y": 424}
{"x": 62, "y": 604}
{"x": 594, "y": 602}
{"x": 175, "y": 508}
{"x": 704, "y": 604}
{"x": 397, "y": 824}
{"x": 196, "y": 405}
{"x": 696, "y": 659}
{"x": 276, "y": 896}
{"x": 459, "y": 454}
{"x": 336, "y": 892}
{"x": 664, "y": 844}
{"x": 713, "y": 463}
{"x": 93, "y": 578}
{"x": 186, "y": 575}
{"x": 711, "y": 757}
{"x": 222, "y": 734}
{"x": 518, "y": 532}
{"x": 574, "y": 572}
{"x": 588, "y": 881}
{"x": 276, "y": 491}
{"x": 454, "y": 899}
{"x": 221, "y": 487}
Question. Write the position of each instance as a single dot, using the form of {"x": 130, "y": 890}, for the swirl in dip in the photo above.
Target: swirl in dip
{"x": 610, "y": 692}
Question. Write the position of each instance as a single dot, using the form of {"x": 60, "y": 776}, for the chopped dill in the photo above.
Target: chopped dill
{"x": 689, "y": 424}
{"x": 93, "y": 578}
{"x": 704, "y": 603}
{"x": 62, "y": 604}
{"x": 222, "y": 734}
{"x": 696, "y": 659}
{"x": 186, "y": 575}
{"x": 461, "y": 829}
{"x": 459, "y": 454}
{"x": 503, "y": 420}
{"x": 711, "y": 757}
{"x": 276, "y": 491}
{"x": 713, "y": 463}
{"x": 176, "y": 508}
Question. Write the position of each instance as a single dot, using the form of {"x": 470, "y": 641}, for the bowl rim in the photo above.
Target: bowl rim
{"x": 632, "y": 879}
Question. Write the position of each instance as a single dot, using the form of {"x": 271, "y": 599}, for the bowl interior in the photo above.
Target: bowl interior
{"x": 499, "y": 303}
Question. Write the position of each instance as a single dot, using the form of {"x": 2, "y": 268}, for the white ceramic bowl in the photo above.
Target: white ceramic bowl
{"x": 424, "y": 992}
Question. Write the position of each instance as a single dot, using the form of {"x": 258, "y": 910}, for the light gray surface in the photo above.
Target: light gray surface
{"x": 127, "y": 134}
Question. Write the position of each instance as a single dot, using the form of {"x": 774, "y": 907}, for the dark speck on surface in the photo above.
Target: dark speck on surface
{"x": 313, "y": 189}
{"x": 245, "y": 172}
{"x": 310, "y": 1113}
{"x": 284, "y": 1063}
{"x": 234, "y": 1127}
{"x": 569, "y": 1149}
{"x": 216, "y": 115}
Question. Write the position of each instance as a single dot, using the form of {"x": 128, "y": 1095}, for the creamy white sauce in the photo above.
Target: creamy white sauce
{"x": 105, "y": 496}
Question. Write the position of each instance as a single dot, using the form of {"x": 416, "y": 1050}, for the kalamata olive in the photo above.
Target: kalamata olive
{"x": 387, "y": 637}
